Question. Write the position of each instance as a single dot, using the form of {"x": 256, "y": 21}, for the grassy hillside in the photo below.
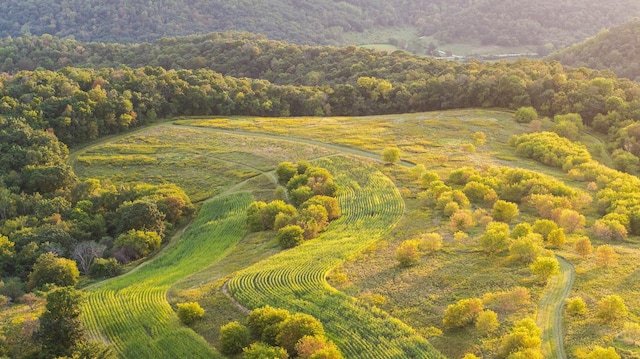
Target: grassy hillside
{"x": 357, "y": 255}
{"x": 616, "y": 49}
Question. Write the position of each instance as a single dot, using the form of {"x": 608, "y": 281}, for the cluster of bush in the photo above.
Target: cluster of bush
{"x": 310, "y": 192}
{"x": 276, "y": 333}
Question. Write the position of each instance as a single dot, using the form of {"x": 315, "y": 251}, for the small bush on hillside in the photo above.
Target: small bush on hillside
{"x": 104, "y": 268}
{"x": 408, "y": 254}
{"x": 189, "y": 312}
{"x": 290, "y": 236}
{"x": 233, "y": 337}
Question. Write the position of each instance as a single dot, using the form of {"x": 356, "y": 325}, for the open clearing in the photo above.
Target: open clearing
{"x": 229, "y": 160}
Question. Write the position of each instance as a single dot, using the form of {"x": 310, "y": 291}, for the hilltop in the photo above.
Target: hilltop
{"x": 504, "y": 23}
{"x": 616, "y": 49}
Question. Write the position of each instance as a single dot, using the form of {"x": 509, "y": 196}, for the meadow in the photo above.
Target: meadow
{"x": 348, "y": 277}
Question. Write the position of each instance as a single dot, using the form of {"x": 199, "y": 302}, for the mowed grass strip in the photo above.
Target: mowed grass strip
{"x": 295, "y": 279}
{"x": 132, "y": 311}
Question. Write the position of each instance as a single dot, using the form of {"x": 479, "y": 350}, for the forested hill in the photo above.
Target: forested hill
{"x": 617, "y": 49}
{"x": 499, "y": 22}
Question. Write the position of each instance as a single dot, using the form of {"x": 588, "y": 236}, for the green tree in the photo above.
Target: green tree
{"x": 495, "y": 238}
{"x": 523, "y": 338}
{"x": 612, "y": 308}
{"x": 60, "y": 325}
{"x": 526, "y": 249}
{"x": 462, "y": 313}
{"x": 189, "y": 312}
{"x": 104, "y": 268}
{"x": 606, "y": 256}
{"x": 12, "y": 288}
{"x": 504, "y": 211}
{"x": 583, "y": 246}
{"x": 391, "y": 155}
{"x": 261, "y": 350}
{"x": 556, "y": 238}
{"x": 576, "y": 306}
{"x": 599, "y": 352}
{"x": 263, "y": 323}
{"x": 408, "y": 254}
{"x": 487, "y": 322}
{"x": 300, "y": 195}
{"x": 309, "y": 347}
{"x": 49, "y": 268}
{"x": 285, "y": 171}
{"x": 294, "y": 328}
{"x": 290, "y": 236}
{"x": 526, "y": 114}
{"x": 140, "y": 215}
{"x": 233, "y": 337}
{"x": 544, "y": 267}
{"x": 138, "y": 244}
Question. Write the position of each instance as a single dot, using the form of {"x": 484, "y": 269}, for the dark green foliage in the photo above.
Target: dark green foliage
{"x": 614, "y": 49}
{"x": 12, "y": 288}
{"x": 137, "y": 244}
{"x": 254, "y": 216}
{"x": 50, "y": 269}
{"x": 140, "y": 215}
{"x": 285, "y": 171}
{"x": 104, "y": 268}
{"x": 60, "y": 325}
{"x": 290, "y": 236}
{"x": 261, "y": 350}
{"x": 294, "y": 328}
{"x": 263, "y": 323}
{"x": 233, "y": 337}
{"x": 300, "y": 195}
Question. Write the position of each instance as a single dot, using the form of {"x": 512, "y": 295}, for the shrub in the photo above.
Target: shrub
{"x": 582, "y": 246}
{"x": 290, "y": 236}
{"x": 316, "y": 348}
{"x": 609, "y": 230}
{"x": 521, "y": 230}
{"x": 599, "y": 352}
{"x": 525, "y": 115}
{"x": 544, "y": 227}
{"x": 294, "y": 328}
{"x": 462, "y": 313}
{"x": 487, "y": 322}
{"x": 545, "y": 267}
{"x": 612, "y": 308}
{"x": 233, "y": 337}
{"x": 104, "y": 268}
{"x": 430, "y": 242}
{"x": 285, "y": 171}
{"x": 576, "y": 306}
{"x": 408, "y": 254}
{"x": 460, "y": 221}
{"x": 189, "y": 312}
{"x": 556, "y": 238}
{"x": 495, "y": 238}
{"x": 391, "y": 155}
{"x": 137, "y": 243}
{"x": 606, "y": 256}
{"x": 263, "y": 322}
{"x": 262, "y": 351}
{"x": 526, "y": 249}
{"x": 504, "y": 211}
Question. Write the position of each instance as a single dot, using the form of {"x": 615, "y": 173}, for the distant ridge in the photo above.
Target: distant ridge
{"x": 617, "y": 49}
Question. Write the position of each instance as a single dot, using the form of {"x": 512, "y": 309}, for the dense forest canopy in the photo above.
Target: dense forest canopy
{"x": 504, "y": 22}
{"x": 616, "y": 49}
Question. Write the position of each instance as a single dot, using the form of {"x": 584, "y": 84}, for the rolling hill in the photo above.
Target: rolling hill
{"x": 616, "y": 49}
{"x": 506, "y": 22}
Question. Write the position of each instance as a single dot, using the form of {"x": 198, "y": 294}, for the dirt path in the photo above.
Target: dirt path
{"x": 550, "y": 311}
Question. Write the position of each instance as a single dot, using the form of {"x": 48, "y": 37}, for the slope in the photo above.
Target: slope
{"x": 617, "y": 49}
